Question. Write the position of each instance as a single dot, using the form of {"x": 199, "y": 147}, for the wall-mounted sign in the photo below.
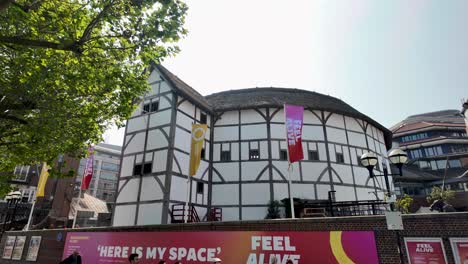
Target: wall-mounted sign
{"x": 8, "y": 249}
{"x": 19, "y": 246}
{"x": 460, "y": 249}
{"x": 231, "y": 247}
{"x": 33, "y": 250}
{"x": 425, "y": 250}
{"x": 394, "y": 220}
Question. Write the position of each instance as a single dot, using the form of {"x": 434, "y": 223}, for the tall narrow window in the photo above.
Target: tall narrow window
{"x": 200, "y": 187}
{"x": 154, "y": 106}
{"x": 203, "y": 153}
{"x": 147, "y": 168}
{"x": 283, "y": 155}
{"x": 203, "y": 118}
{"x": 146, "y": 108}
{"x": 313, "y": 155}
{"x": 137, "y": 169}
{"x": 339, "y": 158}
{"x": 226, "y": 155}
{"x": 254, "y": 154}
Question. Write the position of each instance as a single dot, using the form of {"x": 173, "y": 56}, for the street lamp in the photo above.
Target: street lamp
{"x": 11, "y": 198}
{"x": 398, "y": 157}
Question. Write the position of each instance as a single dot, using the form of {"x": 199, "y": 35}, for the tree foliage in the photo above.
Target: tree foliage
{"x": 274, "y": 211}
{"x": 71, "y": 68}
{"x": 403, "y": 204}
{"x": 438, "y": 194}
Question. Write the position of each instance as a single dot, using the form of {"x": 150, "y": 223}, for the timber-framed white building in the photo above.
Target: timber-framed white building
{"x": 244, "y": 159}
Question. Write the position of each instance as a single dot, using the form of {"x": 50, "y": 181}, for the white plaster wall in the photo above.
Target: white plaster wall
{"x": 279, "y": 116}
{"x": 336, "y": 135}
{"x": 139, "y": 158}
{"x": 124, "y": 215}
{"x": 331, "y": 149}
{"x": 322, "y": 191}
{"x": 344, "y": 171}
{"x": 129, "y": 192}
{"x": 217, "y": 152}
{"x": 225, "y": 194}
{"x": 335, "y": 120}
{"x": 136, "y": 144}
{"x": 277, "y": 131}
{"x": 365, "y": 193}
{"x": 226, "y": 133}
{"x": 310, "y": 118}
{"x": 235, "y": 151}
{"x": 360, "y": 175}
{"x": 251, "y": 169}
{"x": 178, "y": 189}
{"x": 230, "y": 213}
{"x": 254, "y": 213}
{"x": 156, "y": 140}
{"x": 244, "y": 151}
{"x": 150, "y": 189}
{"x": 311, "y": 170}
{"x": 357, "y": 139}
{"x": 275, "y": 149}
{"x": 182, "y": 140}
{"x": 312, "y": 133}
{"x": 159, "y": 161}
{"x": 253, "y": 131}
{"x": 154, "y": 89}
{"x": 137, "y": 123}
{"x": 184, "y": 121}
{"x": 264, "y": 149}
{"x": 322, "y": 151}
{"x": 344, "y": 193}
{"x": 280, "y": 191}
{"x": 187, "y": 107}
{"x": 165, "y": 87}
{"x": 164, "y": 103}
{"x": 303, "y": 191}
{"x": 154, "y": 76}
{"x": 160, "y": 118}
{"x": 352, "y": 124}
{"x": 251, "y": 116}
{"x": 149, "y": 214}
{"x": 282, "y": 166}
{"x": 127, "y": 166}
{"x": 228, "y": 118}
{"x": 229, "y": 170}
{"x": 184, "y": 161}
{"x": 255, "y": 193}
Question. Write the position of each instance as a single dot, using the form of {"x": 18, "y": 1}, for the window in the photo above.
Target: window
{"x": 146, "y": 108}
{"x": 339, "y": 158}
{"x": 200, "y": 186}
{"x": 225, "y": 155}
{"x": 454, "y": 163}
{"x": 154, "y": 106}
{"x": 202, "y": 155}
{"x": 313, "y": 155}
{"x": 254, "y": 154}
{"x": 147, "y": 168}
{"x": 283, "y": 155}
{"x": 109, "y": 166}
{"x": 203, "y": 118}
{"x": 137, "y": 169}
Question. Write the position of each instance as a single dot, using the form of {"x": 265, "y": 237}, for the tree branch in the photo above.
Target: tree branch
{"x": 89, "y": 29}
{"x": 40, "y": 44}
{"x": 4, "y": 4}
{"x": 14, "y": 118}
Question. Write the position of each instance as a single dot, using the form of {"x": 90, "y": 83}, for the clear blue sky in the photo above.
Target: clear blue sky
{"x": 388, "y": 59}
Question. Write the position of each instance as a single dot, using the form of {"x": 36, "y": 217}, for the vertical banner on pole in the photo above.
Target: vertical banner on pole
{"x": 86, "y": 179}
{"x": 293, "y": 120}
{"x": 196, "y": 146}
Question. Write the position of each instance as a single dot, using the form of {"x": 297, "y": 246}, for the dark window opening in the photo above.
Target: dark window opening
{"x": 283, "y": 155}
{"x": 147, "y": 168}
{"x": 339, "y": 158}
{"x": 200, "y": 187}
{"x": 313, "y": 155}
{"x": 137, "y": 169}
{"x": 225, "y": 155}
{"x": 202, "y": 155}
{"x": 154, "y": 106}
{"x": 254, "y": 154}
{"x": 146, "y": 108}
{"x": 203, "y": 118}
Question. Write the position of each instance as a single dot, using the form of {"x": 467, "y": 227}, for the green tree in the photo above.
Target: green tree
{"x": 438, "y": 194}
{"x": 70, "y": 69}
{"x": 403, "y": 204}
{"x": 273, "y": 211}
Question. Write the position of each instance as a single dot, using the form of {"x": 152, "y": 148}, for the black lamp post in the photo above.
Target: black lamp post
{"x": 12, "y": 198}
{"x": 396, "y": 156}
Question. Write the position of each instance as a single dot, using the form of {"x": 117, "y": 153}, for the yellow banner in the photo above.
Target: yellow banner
{"x": 198, "y": 138}
{"x": 42, "y": 180}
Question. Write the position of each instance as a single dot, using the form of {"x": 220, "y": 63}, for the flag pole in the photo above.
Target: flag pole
{"x": 76, "y": 207}
{"x": 293, "y": 215}
{"x": 30, "y": 214}
{"x": 186, "y": 211}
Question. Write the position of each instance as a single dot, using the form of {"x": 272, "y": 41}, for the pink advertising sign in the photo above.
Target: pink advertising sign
{"x": 231, "y": 247}
{"x": 425, "y": 250}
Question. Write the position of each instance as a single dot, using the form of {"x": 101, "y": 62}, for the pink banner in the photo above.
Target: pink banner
{"x": 460, "y": 249}
{"x": 425, "y": 250}
{"x": 89, "y": 169}
{"x": 293, "y": 121}
{"x": 231, "y": 247}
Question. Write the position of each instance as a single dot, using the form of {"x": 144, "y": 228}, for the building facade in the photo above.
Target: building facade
{"x": 244, "y": 164}
{"x": 106, "y": 172}
{"x": 437, "y": 147}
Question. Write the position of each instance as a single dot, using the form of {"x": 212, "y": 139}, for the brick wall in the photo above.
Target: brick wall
{"x": 431, "y": 225}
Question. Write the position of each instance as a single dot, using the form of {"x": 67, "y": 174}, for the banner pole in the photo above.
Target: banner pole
{"x": 30, "y": 215}
{"x": 186, "y": 209}
{"x": 76, "y": 210}
{"x": 293, "y": 215}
